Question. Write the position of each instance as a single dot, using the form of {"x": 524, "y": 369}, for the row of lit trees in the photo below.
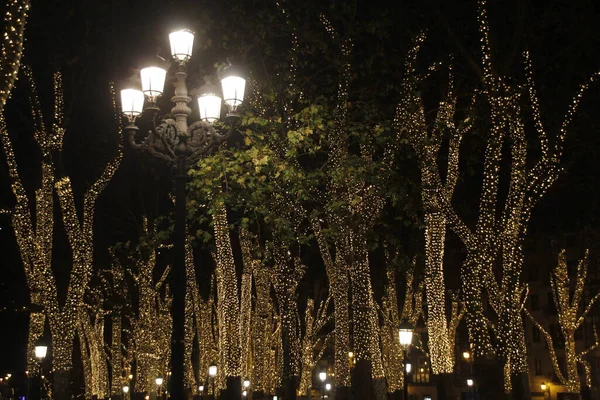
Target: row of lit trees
{"x": 290, "y": 202}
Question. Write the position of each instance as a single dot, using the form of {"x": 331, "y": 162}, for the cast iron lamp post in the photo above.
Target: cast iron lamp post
{"x": 212, "y": 373}
{"x": 40, "y": 353}
{"x": 405, "y": 334}
{"x": 180, "y": 145}
{"x": 323, "y": 378}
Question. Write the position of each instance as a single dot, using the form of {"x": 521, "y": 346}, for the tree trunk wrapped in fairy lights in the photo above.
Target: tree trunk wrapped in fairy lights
{"x": 288, "y": 270}
{"x": 313, "y": 346}
{"x": 93, "y": 355}
{"x": 338, "y": 286}
{"x": 228, "y": 303}
{"x": 206, "y": 315}
{"x": 392, "y": 351}
{"x": 496, "y": 237}
{"x": 568, "y": 296}
{"x": 35, "y": 240}
{"x": 262, "y": 329}
{"x": 150, "y": 325}
{"x": 427, "y": 144}
{"x": 15, "y": 19}
{"x": 250, "y": 264}
{"x": 351, "y": 224}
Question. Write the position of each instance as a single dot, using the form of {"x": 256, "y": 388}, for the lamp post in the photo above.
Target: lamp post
{"x": 212, "y": 373}
{"x": 159, "y": 382}
{"x": 405, "y": 334}
{"x": 246, "y": 386}
{"x": 180, "y": 145}
{"x": 40, "y": 353}
{"x": 322, "y": 378}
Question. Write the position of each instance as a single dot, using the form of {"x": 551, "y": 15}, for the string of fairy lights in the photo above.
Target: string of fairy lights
{"x": 410, "y": 121}
{"x": 11, "y": 52}
{"x": 393, "y": 359}
{"x": 245, "y": 348}
{"x": 313, "y": 346}
{"x": 338, "y": 287}
{"x": 248, "y": 243}
{"x": 227, "y": 292}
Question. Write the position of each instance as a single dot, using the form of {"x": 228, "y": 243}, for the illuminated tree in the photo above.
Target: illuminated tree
{"x": 228, "y": 303}
{"x": 207, "y": 332}
{"x": 313, "y": 345}
{"x": 150, "y": 324}
{"x": 262, "y": 315}
{"x": 391, "y": 349}
{"x": 567, "y": 296}
{"x": 498, "y": 238}
{"x": 427, "y": 143}
{"x": 34, "y": 229}
{"x": 90, "y": 331}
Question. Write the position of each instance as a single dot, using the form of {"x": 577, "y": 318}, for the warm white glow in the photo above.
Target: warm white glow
{"x": 132, "y": 102}
{"x": 153, "y": 81}
{"x": 246, "y": 383}
{"x": 130, "y": 376}
{"x": 408, "y": 368}
{"x": 323, "y": 376}
{"x": 212, "y": 370}
{"x": 159, "y": 381}
{"x": 40, "y": 351}
{"x": 125, "y": 389}
{"x": 469, "y": 382}
{"x": 350, "y": 354}
{"x": 182, "y": 42}
{"x": 405, "y": 336}
{"x": 233, "y": 90}
{"x": 543, "y": 386}
{"x": 210, "y": 107}
{"x": 201, "y": 388}
{"x": 245, "y": 393}
{"x": 466, "y": 355}
{"x": 328, "y": 386}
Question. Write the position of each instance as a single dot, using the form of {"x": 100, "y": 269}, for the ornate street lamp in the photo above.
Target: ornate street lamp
{"x": 405, "y": 334}
{"x": 180, "y": 144}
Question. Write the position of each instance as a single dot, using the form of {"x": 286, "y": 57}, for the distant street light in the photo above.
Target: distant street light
{"x": 405, "y": 334}
{"x": 41, "y": 350}
{"x": 212, "y": 373}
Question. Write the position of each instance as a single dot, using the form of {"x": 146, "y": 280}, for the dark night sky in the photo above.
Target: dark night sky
{"x": 97, "y": 41}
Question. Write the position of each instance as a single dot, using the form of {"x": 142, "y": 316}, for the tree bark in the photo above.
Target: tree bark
{"x": 488, "y": 376}
{"x": 362, "y": 382}
{"x": 444, "y": 386}
{"x": 520, "y": 386}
